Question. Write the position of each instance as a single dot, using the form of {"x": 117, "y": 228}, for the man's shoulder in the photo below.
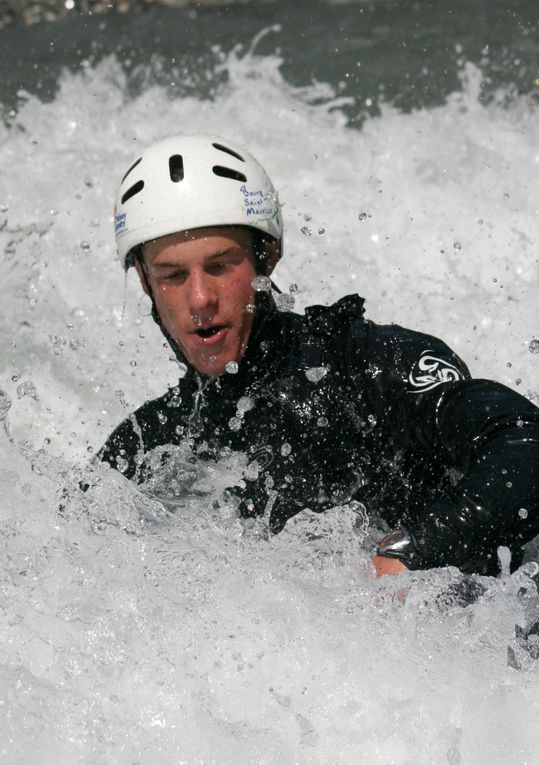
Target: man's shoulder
{"x": 391, "y": 352}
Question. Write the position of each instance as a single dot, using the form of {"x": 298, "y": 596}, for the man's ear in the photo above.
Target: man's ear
{"x": 139, "y": 265}
{"x": 273, "y": 255}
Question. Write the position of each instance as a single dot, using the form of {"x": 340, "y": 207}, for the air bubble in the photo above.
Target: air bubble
{"x": 261, "y": 284}
{"x": 232, "y": 367}
{"x": 523, "y": 513}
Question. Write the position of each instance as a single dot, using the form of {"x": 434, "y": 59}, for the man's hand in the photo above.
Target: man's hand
{"x": 383, "y": 565}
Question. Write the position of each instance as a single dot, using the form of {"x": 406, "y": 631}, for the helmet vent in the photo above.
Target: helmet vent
{"x": 175, "y": 166}
{"x": 138, "y": 186}
{"x": 227, "y": 151}
{"x": 227, "y": 172}
{"x": 131, "y": 168}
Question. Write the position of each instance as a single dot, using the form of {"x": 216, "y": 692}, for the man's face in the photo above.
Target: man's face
{"x": 202, "y": 286}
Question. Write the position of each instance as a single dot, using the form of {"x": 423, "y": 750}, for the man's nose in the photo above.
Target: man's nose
{"x": 202, "y": 295}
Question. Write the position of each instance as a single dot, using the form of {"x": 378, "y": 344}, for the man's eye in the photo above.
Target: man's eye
{"x": 219, "y": 268}
{"x": 175, "y": 276}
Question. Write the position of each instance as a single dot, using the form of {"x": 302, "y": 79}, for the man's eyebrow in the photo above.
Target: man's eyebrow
{"x": 168, "y": 265}
{"x": 216, "y": 255}
{"x": 208, "y": 259}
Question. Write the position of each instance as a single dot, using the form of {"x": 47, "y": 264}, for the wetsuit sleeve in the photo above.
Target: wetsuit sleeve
{"x": 123, "y": 449}
{"x": 155, "y": 423}
{"x": 484, "y": 430}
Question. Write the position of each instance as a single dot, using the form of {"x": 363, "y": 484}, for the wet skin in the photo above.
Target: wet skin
{"x": 201, "y": 282}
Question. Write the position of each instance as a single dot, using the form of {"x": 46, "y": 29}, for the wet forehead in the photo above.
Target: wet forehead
{"x": 191, "y": 247}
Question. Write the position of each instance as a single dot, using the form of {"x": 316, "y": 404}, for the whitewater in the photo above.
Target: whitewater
{"x": 136, "y": 630}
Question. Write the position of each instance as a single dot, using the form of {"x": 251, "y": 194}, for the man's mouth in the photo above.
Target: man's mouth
{"x": 210, "y": 334}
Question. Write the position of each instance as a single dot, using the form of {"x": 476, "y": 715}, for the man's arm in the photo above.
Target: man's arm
{"x": 485, "y": 430}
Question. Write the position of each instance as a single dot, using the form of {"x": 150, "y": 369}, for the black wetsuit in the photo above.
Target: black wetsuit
{"x": 330, "y": 407}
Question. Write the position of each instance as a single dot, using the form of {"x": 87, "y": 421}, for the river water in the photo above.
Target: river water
{"x": 404, "y": 142}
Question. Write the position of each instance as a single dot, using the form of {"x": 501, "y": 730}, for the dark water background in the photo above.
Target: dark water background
{"x": 408, "y": 53}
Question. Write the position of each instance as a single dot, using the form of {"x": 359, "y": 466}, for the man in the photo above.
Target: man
{"x": 327, "y": 407}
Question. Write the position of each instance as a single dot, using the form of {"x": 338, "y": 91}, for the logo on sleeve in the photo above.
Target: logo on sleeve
{"x": 430, "y": 371}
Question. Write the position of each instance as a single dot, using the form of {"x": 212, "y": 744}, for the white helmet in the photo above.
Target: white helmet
{"x": 189, "y": 182}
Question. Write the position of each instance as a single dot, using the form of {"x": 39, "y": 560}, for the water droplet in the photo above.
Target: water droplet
{"x": 27, "y": 389}
{"x": 179, "y": 429}
{"x": 509, "y": 364}
{"x": 306, "y": 231}
{"x": 286, "y": 449}
{"x": 457, "y": 246}
{"x": 261, "y": 284}
{"x": 85, "y": 245}
{"x": 315, "y": 374}
{"x": 245, "y": 404}
{"x": 5, "y": 404}
{"x": 234, "y": 423}
{"x": 523, "y": 513}
{"x": 520, "y": 424}
{"x": 232, "y": 367}
{"x": 161, "y": 416}
{"x": 322, "y": 422}
{"x": 321, "y": 230}
{"x": 534, "y": 346}
{"x": 250, "y": 307}
{"x": 121, "y": 464}
{"x": 285, "y": 302}
{"x": 133, "y": 363}
{"x": 252, "y": 471}
{"x": 506, "y": 195}
{"x": 363, "y": 216}
{"x": 372, "y": 419}
{"x": 518, "y": 381}
{"x": 509, "y": 484}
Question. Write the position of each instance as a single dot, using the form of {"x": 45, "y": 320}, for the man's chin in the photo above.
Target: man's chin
{"x": 211, "y": 367}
